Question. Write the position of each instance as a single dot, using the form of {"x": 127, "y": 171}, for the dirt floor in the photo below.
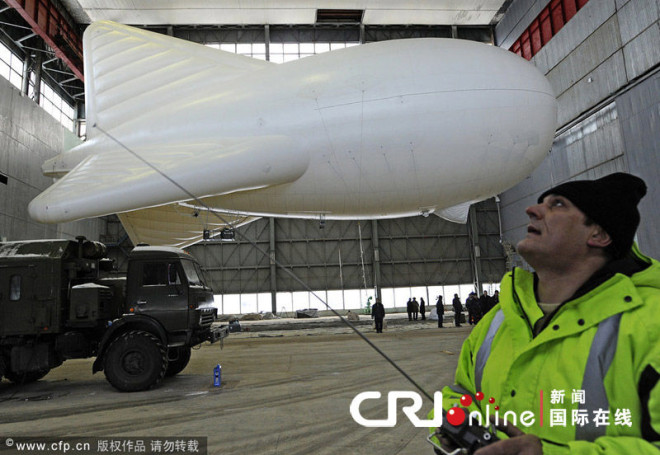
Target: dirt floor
{"x": 284, "y": 391}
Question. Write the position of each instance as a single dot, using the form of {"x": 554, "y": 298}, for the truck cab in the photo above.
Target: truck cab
{"x": 169, "y": 285}
{"x": 168, "y": 309}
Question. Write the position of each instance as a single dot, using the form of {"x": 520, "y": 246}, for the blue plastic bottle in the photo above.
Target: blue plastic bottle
{"x": 217, "y": 376}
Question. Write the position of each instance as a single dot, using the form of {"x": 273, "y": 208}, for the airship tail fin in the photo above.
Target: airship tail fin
{"x": 122, "y": 64}
{"x": 152, "y": 175}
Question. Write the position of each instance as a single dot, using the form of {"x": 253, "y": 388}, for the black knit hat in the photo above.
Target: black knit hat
{"x": 611, "y": 202}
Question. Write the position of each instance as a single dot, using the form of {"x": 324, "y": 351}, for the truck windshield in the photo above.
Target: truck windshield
{"x": 193, "y": 273}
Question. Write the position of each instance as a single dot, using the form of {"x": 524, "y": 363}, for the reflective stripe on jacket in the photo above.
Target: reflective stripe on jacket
{"x": 605, "y": 343}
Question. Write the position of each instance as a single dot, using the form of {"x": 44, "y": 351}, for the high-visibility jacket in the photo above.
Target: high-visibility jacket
{"x": 590, "y": 377}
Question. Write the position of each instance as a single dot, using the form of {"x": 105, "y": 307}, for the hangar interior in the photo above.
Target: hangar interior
{"x": 601, "y": 57}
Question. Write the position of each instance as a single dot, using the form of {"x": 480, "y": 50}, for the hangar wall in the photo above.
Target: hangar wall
{"x": 403, "y": 252}
{"x": 604, "y": 66}
{"x": 28, "y": 137}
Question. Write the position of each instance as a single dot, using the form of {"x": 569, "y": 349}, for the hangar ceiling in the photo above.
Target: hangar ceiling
{"x": 244, "y": 12}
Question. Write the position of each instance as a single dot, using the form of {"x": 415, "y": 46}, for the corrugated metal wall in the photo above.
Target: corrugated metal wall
{"x": 603, "y": 66}
{"x": 639, "y": 117}
{"x": 415, "y": 251}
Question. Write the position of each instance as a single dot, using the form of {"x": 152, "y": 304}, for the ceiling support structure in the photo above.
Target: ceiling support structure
{"x": 273, "y": 265}
{"x": 51, "y": 25}
{"x": 376, "y": 247}
{"x": 38, "y": 75}
{"x": 475, "y": 249}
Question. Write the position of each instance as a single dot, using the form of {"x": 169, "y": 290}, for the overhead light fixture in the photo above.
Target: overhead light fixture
{"x": 228, "y": 234}
{"x": 225, "y": 235}
{"x": 344, "y": 16}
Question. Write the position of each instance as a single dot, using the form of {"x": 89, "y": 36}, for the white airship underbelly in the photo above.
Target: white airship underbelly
{"x": 386, "y": 129}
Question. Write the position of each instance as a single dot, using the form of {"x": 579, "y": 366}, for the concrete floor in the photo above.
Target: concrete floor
{"x": 283, "y": 392}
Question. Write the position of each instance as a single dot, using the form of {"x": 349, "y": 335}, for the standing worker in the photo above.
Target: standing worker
{"x": 473, "y": 308}
{"x": 486, "y": 303}
{"x": 440, "y": 309}
{"x": 584, "y": 325}
{"x": 458, "y": 310}
{"x": 422, "y": 308}
{"x": 378, "y": 314}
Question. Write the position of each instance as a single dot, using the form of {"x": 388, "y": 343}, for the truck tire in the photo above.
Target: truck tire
{"x": 134, "y": 361}
{"x": 179, "y": 362}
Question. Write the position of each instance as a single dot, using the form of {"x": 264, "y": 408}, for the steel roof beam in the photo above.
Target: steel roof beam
{"x": 47, "y": 21}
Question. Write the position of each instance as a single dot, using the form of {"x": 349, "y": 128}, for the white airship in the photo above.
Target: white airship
{"x": 381, "y": 130}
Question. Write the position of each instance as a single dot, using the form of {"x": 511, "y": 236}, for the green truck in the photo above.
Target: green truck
{"x": 59, "y": 300}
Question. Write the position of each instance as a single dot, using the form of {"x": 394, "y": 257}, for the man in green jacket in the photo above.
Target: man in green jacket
{"x": 571, "y": 353}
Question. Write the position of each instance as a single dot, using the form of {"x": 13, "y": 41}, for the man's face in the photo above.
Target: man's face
{"x": 556, "y": 233}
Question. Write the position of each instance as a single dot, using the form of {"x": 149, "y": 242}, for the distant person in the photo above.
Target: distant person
{"x": 422, "y": 308}
{"x": 496, "y": 298}
{"x": 470, "y": 310}
{"x": 486, "y": 303}
{"x": 458, "y": 310}
{"x": 378, "y": 314}
{"x": 473, "y": 308}
{"x": 440, "y": 309}
{"x": 409, "y": 309}
{"x": 415, "y": 308}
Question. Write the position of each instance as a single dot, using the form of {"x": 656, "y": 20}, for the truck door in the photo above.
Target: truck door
{"x": 161, "y": 294}
{"x": 28, "y": 302}
{"x": 13, "y": 307}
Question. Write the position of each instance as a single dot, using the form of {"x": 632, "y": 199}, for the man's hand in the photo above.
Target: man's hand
{"x": 447, "y": 444}
{"x": 519, "y": 443}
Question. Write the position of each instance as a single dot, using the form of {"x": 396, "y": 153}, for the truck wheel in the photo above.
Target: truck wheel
{"x": 25, "y": 378}
{"x": 135, "y": 361}
{"x": 179, "y": 362}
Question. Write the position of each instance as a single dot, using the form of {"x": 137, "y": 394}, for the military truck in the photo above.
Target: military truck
{"x": 60, "y": 299}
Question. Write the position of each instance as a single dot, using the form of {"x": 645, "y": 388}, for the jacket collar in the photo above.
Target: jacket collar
{"x": 627, "y": 266}
{"x": 624, "y": 275}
